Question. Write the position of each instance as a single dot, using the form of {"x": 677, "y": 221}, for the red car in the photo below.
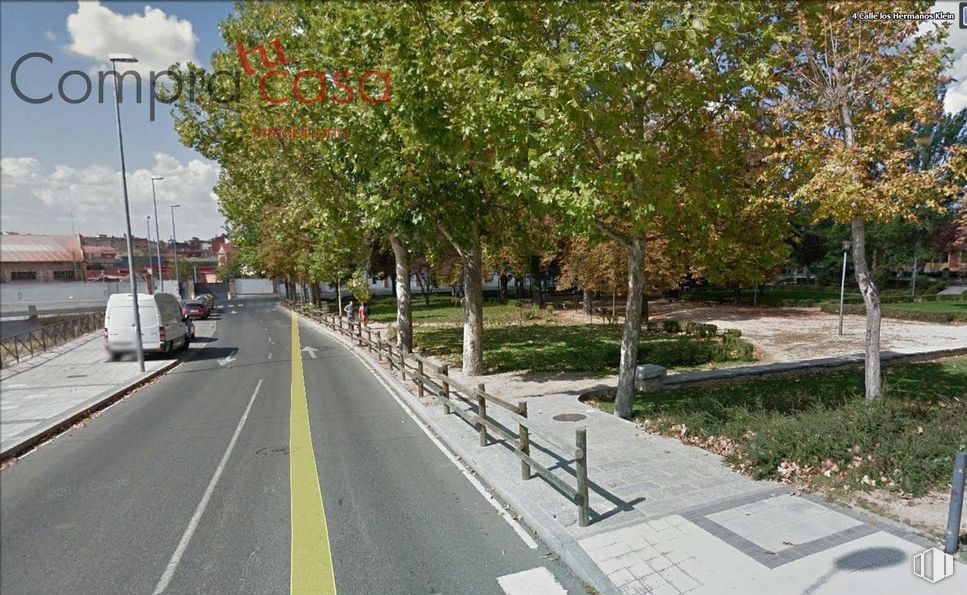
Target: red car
{"x": 194, "y": 310}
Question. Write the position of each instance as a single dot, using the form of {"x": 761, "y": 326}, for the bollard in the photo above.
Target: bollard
{"x": 482, "y": 413}
{"x": 446, "y": 388}
{"x": 525, "y": 441}
{"x": 581, "y": 440}
{"x": 419, "y": 377}
{"x": 956, "y": 503}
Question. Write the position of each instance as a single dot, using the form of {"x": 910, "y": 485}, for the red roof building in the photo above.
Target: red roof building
{"x": 41, "y": 258}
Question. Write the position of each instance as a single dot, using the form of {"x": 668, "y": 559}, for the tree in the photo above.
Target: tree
{"x": 850, "y": 94}
{"x": 624, "y": 134}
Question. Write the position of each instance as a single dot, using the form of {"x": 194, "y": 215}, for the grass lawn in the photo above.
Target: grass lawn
{"x": 570, "y": 348}
{"x": 801, "y": 427}
{"x": 944, "y": 307}
{"x": 791, "y": 295}
{"x": 448, "y": 309}
{"x": 940, "y": 312}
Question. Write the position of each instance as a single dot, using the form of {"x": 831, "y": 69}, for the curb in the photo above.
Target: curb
{"x": 63, "y": 423}
{"x": 556, "y": 538}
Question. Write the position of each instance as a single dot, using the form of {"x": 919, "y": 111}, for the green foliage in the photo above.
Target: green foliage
{"x": 903, "y": 441}
{"x": 358, "y": 285}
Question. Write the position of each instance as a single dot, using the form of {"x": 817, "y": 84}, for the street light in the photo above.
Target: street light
{"x": 127, "y": 209}
{"x": 174, "y": 244}
{"x": 842, "y": 284}
{"x": 147, "y": 247}
{"x": 157, "y": 233}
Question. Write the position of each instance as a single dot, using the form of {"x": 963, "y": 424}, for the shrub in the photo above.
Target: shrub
{"x": 731, "y": 333}
{"x": 672, "y": 326}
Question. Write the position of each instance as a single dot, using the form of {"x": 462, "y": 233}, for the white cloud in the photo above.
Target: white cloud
{"x": 956, "y": 97}
{"x": 158, "y": 40}
{"x": 40, "y": 198}
{"x": 50, "y": 35}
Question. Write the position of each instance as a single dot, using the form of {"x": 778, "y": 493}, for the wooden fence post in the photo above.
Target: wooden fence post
{"x": 402, "y": 362}
{"x": 581, "y": 441}
{"x": 389, "y": 357}
{"x": 525, "y": 441}
{"x": 482, "y": 413}
{"x": 379, "y": 346}
{"x": 446, "y": 389}
{"x": 419, "y": 377}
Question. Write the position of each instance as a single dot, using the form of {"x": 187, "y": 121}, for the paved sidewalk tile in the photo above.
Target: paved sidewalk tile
{"x": 39, "y": 391}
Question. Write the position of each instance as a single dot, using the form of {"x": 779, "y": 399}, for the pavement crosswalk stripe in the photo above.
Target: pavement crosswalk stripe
{"x": 203, "y": 504}
{"x": 536, "y": 580}
{"x": 311, "y": 562}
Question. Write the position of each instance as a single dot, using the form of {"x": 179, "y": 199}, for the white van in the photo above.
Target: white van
{"x": 162, "y": 325}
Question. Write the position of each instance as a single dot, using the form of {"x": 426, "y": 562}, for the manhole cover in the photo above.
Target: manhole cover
{"x": 273, "y": 451}
{"x": 569, "y": 417}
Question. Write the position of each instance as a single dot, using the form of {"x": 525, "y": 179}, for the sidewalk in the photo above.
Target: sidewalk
{"x": 49, "y": 390}
{"x": 670, "y": 518}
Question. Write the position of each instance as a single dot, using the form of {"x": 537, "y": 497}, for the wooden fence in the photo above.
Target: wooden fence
{"x": 471, "y": 404}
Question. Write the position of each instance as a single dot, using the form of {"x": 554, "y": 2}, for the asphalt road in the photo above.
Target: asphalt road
{"x": 245, "y": 471}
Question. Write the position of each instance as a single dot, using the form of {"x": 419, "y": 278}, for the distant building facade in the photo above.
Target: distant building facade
{"x": 41, "y": 258}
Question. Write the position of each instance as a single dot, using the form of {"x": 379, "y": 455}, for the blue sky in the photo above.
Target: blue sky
{"x": 61, "y": 159}
{"x": 60, "y": 166}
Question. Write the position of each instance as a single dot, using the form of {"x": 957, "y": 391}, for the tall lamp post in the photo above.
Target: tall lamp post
{"x": 842, "y": 284}
{"x": 157, "y": 233}
{"x": 127, "y": 209}
{"x": 147, "y": 224}
{"x": 174, "y": 244}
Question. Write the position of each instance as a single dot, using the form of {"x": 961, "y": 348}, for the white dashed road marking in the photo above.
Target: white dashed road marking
{"x": 536, "y": 580}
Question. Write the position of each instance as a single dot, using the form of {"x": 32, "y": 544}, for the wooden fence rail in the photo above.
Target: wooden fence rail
{"x": 471, "y": 404}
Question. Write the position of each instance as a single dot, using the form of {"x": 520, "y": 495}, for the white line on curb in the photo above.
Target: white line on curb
{"x": 195, "y": 518}
{"x": 517, "y": 527}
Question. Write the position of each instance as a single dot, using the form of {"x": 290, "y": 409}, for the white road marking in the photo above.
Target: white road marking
{"x": 535, "y": 580}
{"x": 521, "y": 532}
{"x": 226, "y": 360}
{"x": 270, "y": 355}
{"x": 311, "y": 351}
{"x": 195, "y": 518}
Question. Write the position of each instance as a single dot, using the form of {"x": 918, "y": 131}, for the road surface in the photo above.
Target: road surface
{"x": 244, "y": 470}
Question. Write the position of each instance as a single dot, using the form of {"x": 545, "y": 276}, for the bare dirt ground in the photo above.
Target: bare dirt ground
{"x": 792, "y": 334}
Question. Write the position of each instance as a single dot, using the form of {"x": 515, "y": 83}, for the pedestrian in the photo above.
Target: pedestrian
{"x": 364, "y": 313}
{"x": 350, "y": 311}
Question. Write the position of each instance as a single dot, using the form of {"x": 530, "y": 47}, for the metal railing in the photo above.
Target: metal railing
{"x": 19, "y": 347}
{"x": 471, "y": 404}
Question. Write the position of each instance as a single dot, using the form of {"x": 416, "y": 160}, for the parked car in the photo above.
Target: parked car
{"x": 194, "y": 310}
{"x": 162, "y": 324}
{"x": 207, "y": 300}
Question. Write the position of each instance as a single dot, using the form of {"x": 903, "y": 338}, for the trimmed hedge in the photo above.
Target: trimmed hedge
{"x": 890, "y": 311}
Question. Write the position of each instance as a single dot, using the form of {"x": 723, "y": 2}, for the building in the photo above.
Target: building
{"x": 41, "y": 259}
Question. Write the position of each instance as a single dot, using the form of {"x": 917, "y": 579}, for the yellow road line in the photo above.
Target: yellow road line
{"x": 311, "y": 571}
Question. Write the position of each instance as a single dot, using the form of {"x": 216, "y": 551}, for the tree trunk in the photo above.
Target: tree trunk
{"x": 339, "y": 298}
{"x": 586, "y": 301}
{"x": 632, "y": 329}
{"x": 503, "y": 287}
{"x": 404, "y": 319}
{"x": 871, "y": 297}
{"x": 537, "y": 294}
{"x": 473, "y": 306}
